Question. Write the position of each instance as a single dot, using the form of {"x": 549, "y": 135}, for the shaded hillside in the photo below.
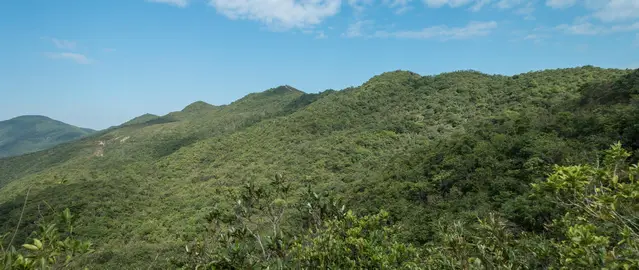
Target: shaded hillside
{"x": 430, "y": 149}
{"x": 31, "y": 133}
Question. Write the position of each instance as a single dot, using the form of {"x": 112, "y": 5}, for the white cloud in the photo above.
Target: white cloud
{"x": 476, "y": 5}
{"x": 479, "y": 4}
{"x": 451, "y": 3}
{"x": 618, "y": 10}
{"x": 76, "y": 57}
{"x": 359, "y": 5}
{"x": 625, "y": 28}
{"x": 560, "y": 3}
{"x": 537, "y": 35}
{"x": 587, "y": 28}
{"x": 357, "y": 29}
{"x": 64, "y": 44}
{"x": 443, "y": 32}
{"x": 321, "y": 35}
{"x": 581, "y": 29}
{"x": 177, "y": 3}
{"x": 279, "y": 14}
{"x": 526, "y": 11}
{"x": 400, "y": 6}
{"x": 506, "y": 4}
{"x": 537, "y": 38}
{"x": 604, "y": 10}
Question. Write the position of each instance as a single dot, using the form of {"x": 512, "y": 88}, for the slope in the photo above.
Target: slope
{"x": 427, "y": 148}
{"x": 31, "y": 133}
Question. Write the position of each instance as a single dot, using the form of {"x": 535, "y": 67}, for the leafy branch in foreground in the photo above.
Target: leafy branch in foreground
{"x": 598, "y": 229}
{"x": 260, "y": 232}
{"x": 51, "y": 247}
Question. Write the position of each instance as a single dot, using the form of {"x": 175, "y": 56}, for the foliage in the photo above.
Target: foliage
{"x": 432, "y": 151}
{"x": 50, "y": 247}
{"x": 259, "y": 234}
{"x": 599, "y": 228}
{"x": 597, "y": 231}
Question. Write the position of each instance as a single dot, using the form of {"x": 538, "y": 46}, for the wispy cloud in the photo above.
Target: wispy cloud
{"x": 475, "y": 5}
{"x": 177, "y": 3}
{"x": 479, "y": 5}
{"x": 560, "y": 3}
{"x": 64, "y": 44}
{"x": 536, "y": 38}
{"x": 450, "y": 3}
{"x": 506, "y": 4}
{"x": 279, "y": 14}
{"x": 399, "y": 6}
{"x": 526, "y": 11}
{"x": 617, "y": 10}
{"x": 625, "y": 27}
{"x": 587, "y": 28}
{"x": 444, "y": 32}
{"x": 75, "y": 57}
{"x": 604, "y": 10}
{"x": 320, "y": 35}
{"x": 357, "y": 28}
{"x": 359, "y": 5}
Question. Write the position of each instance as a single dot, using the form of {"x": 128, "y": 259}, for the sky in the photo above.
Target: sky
{"x": 99, "y": 63}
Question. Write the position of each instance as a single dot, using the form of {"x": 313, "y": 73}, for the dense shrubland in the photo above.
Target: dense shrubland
{"x": 456, "y": 171}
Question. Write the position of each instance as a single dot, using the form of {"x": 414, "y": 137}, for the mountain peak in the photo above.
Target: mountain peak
{"x": 282, "y": 89}
{"x": 31, "y": 118}
{"x": 141, "y": 119}
{"x": 198, "y": 106}
{"x": 30, "y": 133}
{"x": 395, "y": 76}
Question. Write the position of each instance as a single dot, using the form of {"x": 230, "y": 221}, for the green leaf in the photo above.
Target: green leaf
{"x": 37, "y": 243}
{"x": 30, "y": 247}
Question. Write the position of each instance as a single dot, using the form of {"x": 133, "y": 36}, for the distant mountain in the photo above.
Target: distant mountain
{"x": 31, "y": 133}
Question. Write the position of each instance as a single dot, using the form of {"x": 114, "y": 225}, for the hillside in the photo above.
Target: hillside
{"x": 430, "y": 150}
{"x": 31, "y": 133}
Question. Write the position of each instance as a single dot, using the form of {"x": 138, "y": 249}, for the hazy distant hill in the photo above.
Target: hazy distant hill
{"x": 30, "y": 133}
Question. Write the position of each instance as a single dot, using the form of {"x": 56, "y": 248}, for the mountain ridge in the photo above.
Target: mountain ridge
{"x": 424, "y": 147}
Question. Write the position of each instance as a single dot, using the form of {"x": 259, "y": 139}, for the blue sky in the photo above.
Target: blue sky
{"x": 101, "y": 62}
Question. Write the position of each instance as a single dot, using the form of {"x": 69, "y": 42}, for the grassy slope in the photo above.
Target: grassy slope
{"x": 148, "y": 193}
{"x": 26, "y": 134}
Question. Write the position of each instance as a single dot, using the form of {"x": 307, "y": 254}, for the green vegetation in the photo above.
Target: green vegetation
{"x": 455, "y": 171}
{"x": 51, "y": 247}
{"x": 31, "y": 133}
{"x": 141, "y": 119}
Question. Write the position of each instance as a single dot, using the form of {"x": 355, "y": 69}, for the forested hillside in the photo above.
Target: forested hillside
{"x": 31, "y": 133}
{"x": 418, "y": 159}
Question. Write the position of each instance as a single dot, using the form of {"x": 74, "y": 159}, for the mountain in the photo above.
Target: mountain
{"x": 31, "y": 133}
{"x": 430, "y": 150}
{"x": 141, "y": 119}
